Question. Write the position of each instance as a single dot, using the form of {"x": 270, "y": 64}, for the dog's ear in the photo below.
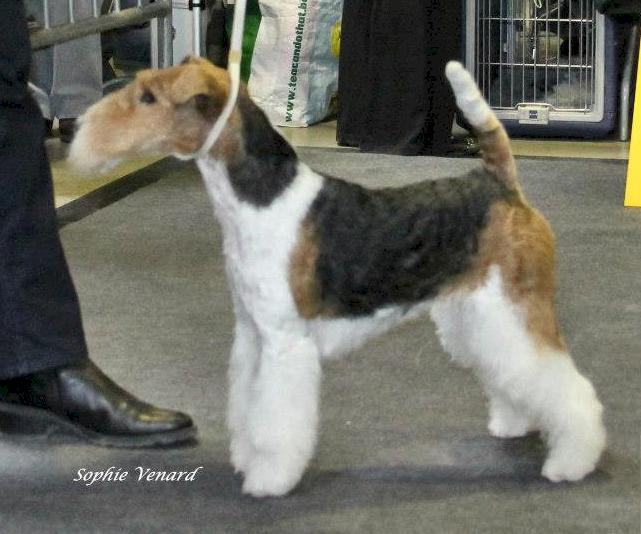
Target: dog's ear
{"x": 193, "y": 59}
{"x": 199, "y": 86}
{"x": 206, "y": 104}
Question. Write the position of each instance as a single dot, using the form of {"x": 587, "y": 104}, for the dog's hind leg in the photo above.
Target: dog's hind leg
{"x": 507, "y": 420}
{"x": 283, "y": 416}
{"x": 563, "y": 401}
{"x": 570, "y": 416}
{"x": 531, "y": 379}
{"x": 455, "y": 323}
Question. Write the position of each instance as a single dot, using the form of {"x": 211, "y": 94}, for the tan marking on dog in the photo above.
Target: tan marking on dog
{"x": 497, "y": 157}
{"x": 496, "y": 151}
{"x": 188, "y": 99}
{"x": 520, "y": 241}
{"x": 302, "y": 273}
{"x": 533, "y": 278}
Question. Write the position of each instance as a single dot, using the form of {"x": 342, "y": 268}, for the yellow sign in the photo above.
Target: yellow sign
{"x": 335, "y": 39}
{"x": 633, "y": 185}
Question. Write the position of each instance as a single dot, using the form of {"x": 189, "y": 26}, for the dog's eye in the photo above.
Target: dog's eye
{"x": 147, "y": 97}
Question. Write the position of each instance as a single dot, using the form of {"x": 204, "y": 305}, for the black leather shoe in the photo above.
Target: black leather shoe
{"x": 84, "y": 401}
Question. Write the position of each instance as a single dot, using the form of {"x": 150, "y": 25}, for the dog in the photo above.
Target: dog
{"x": 317, "y": 265}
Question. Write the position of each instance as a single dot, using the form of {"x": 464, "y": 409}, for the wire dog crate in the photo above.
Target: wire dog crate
{"x": 543, "y": 65}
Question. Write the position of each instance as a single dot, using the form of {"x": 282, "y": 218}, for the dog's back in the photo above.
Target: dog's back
{"x": 399, "y": 246}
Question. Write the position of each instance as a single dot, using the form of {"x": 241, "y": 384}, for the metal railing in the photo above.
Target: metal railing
{"x": 111, "y": 17}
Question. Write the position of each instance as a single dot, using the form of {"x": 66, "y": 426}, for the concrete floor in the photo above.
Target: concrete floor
{"x": 69, "y": 186}
{"x": 403, "y": 445}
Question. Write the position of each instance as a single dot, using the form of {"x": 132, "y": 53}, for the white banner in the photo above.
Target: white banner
{"x": 294, "y": 72}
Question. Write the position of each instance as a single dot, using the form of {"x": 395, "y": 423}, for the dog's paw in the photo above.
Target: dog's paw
{"x": 506, "y": 421}
{"x": 241, "y": 452}
{"x": 502, "y": 427}
{"x": 566, "y": 469}
{"x": 268, "y": 475}
{"x": 575, "y": 452}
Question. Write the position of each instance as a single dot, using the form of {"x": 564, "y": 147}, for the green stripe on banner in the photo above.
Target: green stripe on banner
{"x": 293, "y": 74}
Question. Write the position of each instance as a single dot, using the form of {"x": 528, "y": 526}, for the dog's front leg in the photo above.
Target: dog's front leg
{"x": 243, "y": 367}
{"x": 283, "y": 415}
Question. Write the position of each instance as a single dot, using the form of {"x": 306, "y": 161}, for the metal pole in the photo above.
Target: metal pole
{"x": 45, "y": 6}
{"x": 161, "y": 42}
{"x": 154, "y": 43}
{"x": 196, "y": 31}
{"x": 127, "y": 17}
{"x": 626, "y": 83}
{"x": 167, "y": 36}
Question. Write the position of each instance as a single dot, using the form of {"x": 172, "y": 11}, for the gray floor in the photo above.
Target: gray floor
{"x": 403, "y": 445}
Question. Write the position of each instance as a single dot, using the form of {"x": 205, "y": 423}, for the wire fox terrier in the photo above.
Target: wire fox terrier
{"x": 317, "y": 266}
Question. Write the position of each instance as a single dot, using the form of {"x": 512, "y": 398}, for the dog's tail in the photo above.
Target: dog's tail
{"x": 494, "y": 141}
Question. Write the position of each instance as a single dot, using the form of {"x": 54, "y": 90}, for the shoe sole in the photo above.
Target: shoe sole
{"x": 18, "y": 420}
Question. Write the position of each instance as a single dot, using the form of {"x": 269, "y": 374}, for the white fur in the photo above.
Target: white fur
{"x": 337, "y": 337}
{"x": 468, "y": 97}
{"x": 82, "y": 157}
{"x": 275, "y": 370}
{"x": 529, "y": 387}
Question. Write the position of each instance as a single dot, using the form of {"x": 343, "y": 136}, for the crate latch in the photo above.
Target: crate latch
{"x": 534, "y": 113}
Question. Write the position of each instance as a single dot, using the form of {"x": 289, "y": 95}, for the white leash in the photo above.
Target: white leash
{"x": 233, "y": 68}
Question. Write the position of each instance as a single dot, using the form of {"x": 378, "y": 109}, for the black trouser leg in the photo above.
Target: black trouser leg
{"x": 444, "y": 39}
{"x": 40, "y": 324}
{"x": 353, "y": 85}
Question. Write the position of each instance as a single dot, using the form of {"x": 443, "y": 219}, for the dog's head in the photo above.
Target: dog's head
{"x": 162, "y": 112}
